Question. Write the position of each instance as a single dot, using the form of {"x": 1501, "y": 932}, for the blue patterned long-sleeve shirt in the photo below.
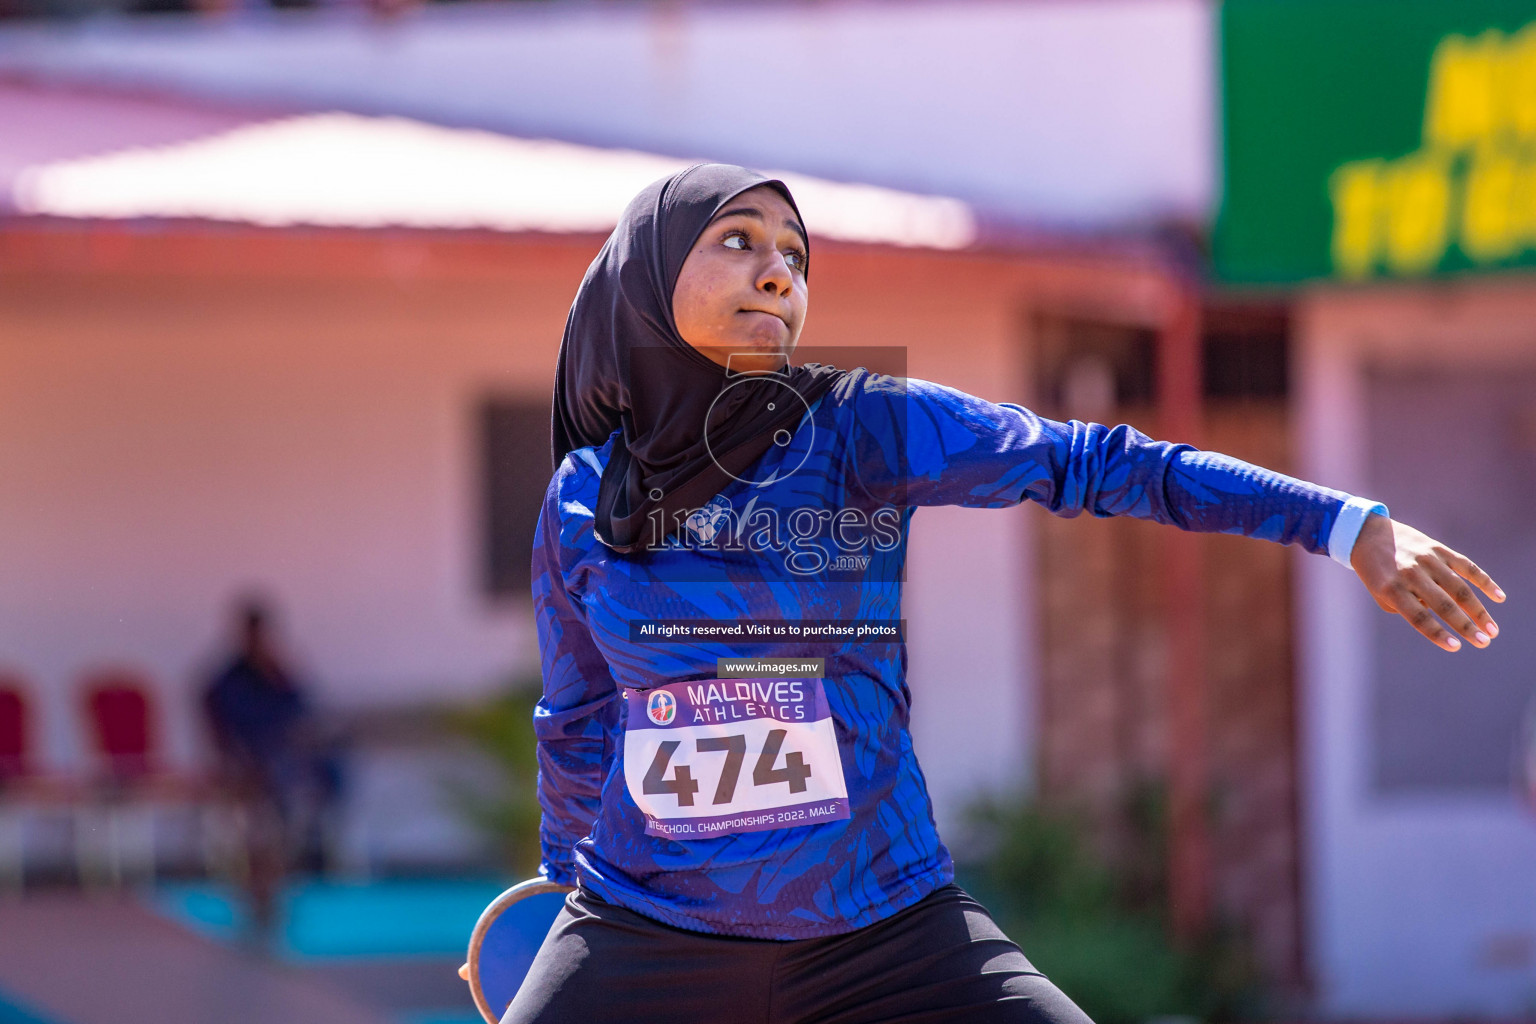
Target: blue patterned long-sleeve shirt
{"x": 861, "y": 460}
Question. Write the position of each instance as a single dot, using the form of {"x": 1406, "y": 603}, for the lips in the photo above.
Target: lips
{"x": 766, "y": 312}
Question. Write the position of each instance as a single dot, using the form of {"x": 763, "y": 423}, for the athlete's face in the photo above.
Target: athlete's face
{"x": 740, "y": 298}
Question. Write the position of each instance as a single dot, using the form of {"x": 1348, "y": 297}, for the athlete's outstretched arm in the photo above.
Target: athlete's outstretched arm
{"x": 577, "y": 716}
{"x": 934, "y": 445}
{"x": 921, "y": 443}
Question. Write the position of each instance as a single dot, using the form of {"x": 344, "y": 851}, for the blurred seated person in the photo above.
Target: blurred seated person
{"x": 272, "y": 758}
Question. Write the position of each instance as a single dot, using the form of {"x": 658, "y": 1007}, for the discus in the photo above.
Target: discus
{"x": 505, "y": 940}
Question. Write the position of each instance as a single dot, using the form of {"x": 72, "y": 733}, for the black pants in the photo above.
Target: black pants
{"x": 942, "y": 959}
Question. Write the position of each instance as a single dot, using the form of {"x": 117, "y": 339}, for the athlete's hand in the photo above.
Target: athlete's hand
{"x": 1418, "y": 578}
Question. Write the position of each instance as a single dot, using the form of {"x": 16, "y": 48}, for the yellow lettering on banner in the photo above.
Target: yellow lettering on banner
{"x": 1520, "y": 83}
{"x": 1489, "y": 230}
{"x": 1463, "y": 105}
{"x": 1523, "y": 206}
{"x": 1356, "y": 192}
{"x": 1418, "y": 202}
{"x": 1473, "y": 181}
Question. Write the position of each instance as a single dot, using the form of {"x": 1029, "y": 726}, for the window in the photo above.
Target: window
{"x": 1452, "y": 452}
{"x": 515, "y": 472}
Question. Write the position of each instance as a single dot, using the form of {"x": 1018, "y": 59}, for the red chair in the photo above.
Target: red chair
{"x": 115, "y": 831}
{"x": 15, "y": 754}
{"x": 118, "y": 706}
{"x": 24, "y": 789}
{"x": 13, "y": 768}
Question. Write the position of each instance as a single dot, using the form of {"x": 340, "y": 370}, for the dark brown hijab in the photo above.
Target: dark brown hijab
{"x": 623, "y": 366}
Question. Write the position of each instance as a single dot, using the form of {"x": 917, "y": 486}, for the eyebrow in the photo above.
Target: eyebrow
{"x": 747, "y": 211}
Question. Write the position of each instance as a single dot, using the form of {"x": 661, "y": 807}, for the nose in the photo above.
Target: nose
{"x": 774, "y": 277}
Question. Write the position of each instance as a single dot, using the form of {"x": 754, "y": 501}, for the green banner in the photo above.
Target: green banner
{"x": 1369, "y": 139}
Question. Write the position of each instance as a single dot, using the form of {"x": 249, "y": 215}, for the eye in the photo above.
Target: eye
{"x": 736, "y": 236}
{"x": 798, "y": 259}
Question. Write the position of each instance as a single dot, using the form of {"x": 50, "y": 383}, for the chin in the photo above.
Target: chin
{"x": 739, "y": 360}
{"x": 756, "y": 353}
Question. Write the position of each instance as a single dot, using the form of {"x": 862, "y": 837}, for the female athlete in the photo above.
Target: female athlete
{"x": 755, "y": 842}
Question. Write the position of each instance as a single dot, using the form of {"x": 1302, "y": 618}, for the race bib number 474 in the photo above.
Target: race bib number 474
{"x": 716, "y": 756}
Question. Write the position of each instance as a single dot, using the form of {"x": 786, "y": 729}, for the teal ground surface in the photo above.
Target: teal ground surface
{"x": 14, "y": 1012}
{"x": 324, "y": 920}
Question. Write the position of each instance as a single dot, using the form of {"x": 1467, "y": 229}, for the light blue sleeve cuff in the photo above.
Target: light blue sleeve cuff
{"x": 1346, "y": 528}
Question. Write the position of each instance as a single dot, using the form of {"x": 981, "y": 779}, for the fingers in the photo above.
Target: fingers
{"x": 1461, "y": 592}
{"x": 1424, "y": 592}
{"x": 1434, "y": 597}
{"x": 464, "y": 971}
{"x": 1466, "y": 567}
{"x": 1411, "y": 605}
